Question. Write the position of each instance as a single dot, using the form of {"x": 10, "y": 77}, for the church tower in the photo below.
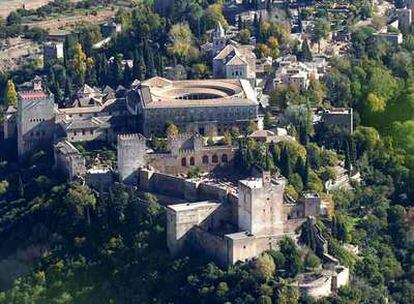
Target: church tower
{"x": 219, "y": 39}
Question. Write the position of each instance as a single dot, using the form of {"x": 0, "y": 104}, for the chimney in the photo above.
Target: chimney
{"x": 266, "y": 179}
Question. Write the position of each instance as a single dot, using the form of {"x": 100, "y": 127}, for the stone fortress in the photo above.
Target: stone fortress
{"x": 229, "y": 222}
{"x": 242, "y": 226}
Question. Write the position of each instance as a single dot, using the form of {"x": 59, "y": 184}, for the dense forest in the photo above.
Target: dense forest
{"x": 110, "y": 247}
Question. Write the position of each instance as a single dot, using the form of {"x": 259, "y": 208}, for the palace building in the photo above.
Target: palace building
{"x": 207, "y": 107}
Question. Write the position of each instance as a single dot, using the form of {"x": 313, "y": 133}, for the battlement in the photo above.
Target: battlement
{"x": 31, "y": 95}
{"x": 184, "y": 136}
{"x": 128, "y": 139}
{"x": 186, "y": 151}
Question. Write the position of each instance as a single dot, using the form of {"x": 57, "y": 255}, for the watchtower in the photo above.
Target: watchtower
{"x": 131, "y": 151}
{"x": 260, "y": 205}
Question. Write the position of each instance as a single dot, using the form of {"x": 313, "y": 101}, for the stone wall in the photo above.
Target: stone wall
{"x": 183, "y": 218}
{"x": 68, "y": 160}
{"x": 162, "y": 183}
{"x": 342, "y": 277}
{"x": 212, "y": 245}
{"x": 189, "y": 189}
{"x": 99, "y": 179}
{"x": 212, "y": 191}
{"x": 318, "y": 288}
{"x": 244, "y": 246}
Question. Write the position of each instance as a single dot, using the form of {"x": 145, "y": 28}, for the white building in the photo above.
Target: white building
{"x": 298, "y": 74}
{"x": 52, "y": 52}
{"x": 235, "y": 62}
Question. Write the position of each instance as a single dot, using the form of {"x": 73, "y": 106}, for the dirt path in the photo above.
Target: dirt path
{"x": 7, "y": 6}
{"x": 73, "y": 21}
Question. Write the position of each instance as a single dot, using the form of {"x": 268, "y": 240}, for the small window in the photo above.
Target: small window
{"x": 214, "y": 159}
{"x": 224, "y": 158}
{"x": 192, "y": 162}
{"x": 205, "y": 159}
{"x": 183, "y": 162}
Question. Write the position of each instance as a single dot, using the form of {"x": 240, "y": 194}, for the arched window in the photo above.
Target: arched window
{"x": 183, "y": 162}
{"x": 224, "y": 158}
{"x": 214, "y": 158}
{"x": 191, "y": 161}
{"x": 205, "y": 159}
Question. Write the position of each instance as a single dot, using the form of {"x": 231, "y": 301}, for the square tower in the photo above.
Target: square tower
{"x": 260, "y": 205}
{"x": 35, "y": 120}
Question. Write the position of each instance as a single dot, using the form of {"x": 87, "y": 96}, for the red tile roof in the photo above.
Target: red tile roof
{"x": 32, "y": 95}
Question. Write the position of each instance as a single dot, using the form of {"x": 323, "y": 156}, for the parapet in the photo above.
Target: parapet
{"x": 184, "y": 136}
{"x": 125, "y": 140}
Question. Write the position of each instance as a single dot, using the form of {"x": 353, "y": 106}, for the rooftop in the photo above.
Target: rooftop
{"x": 239, "y": 235}
{"x": 160, "y": 92}
{"x": 257, "y": 182}
{"x": 253, "y": 182}
{"x": 33, "y": 95}
{"x": 193, "y": 206}
{"x": 66, "y": 148}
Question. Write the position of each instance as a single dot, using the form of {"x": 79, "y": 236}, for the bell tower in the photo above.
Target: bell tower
{"x": 219, "y": 39}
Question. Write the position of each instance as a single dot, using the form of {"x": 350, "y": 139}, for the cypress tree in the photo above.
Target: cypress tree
{"x": 305, "y": 178}
{"x": 136, "y": 72}
{"x": 68, "y": 87}
{"x": 127, "y": 76}
{"x": 305, "y": 54}
{"x": 285, "y": 162}
{"x": 303, "y": 135}
{"x": 239, "y": 23}
{"x": 348, "y": 165}
{"x": 300, "y": 167}
{"x": 116, "y": 75}
{"x": 90, "y": 77}
{"x": 149, "y": 61}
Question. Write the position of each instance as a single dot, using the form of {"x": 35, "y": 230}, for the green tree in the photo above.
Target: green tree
{"x": 10, "y": 95}
{"x": 264, "y": 300}
{"x": 244, "y": 36}
{"x": 251, "y": 127}
{"x": 305, "y": 52}
{"x": 221, "y": 291}
{"x": 172, "y": 130}
{"x": 311, "y": 260}
{"x": 264, "y": 267}
{"x": 78, "y": 65}
{"x": 320, "y": 31}
{"x": 293, "y": 263}
{"x": 90, "y": 75}
{"x": 83, "y": 199}
{"x": 182, "y": 42}
{"x": 4, "y": 185}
